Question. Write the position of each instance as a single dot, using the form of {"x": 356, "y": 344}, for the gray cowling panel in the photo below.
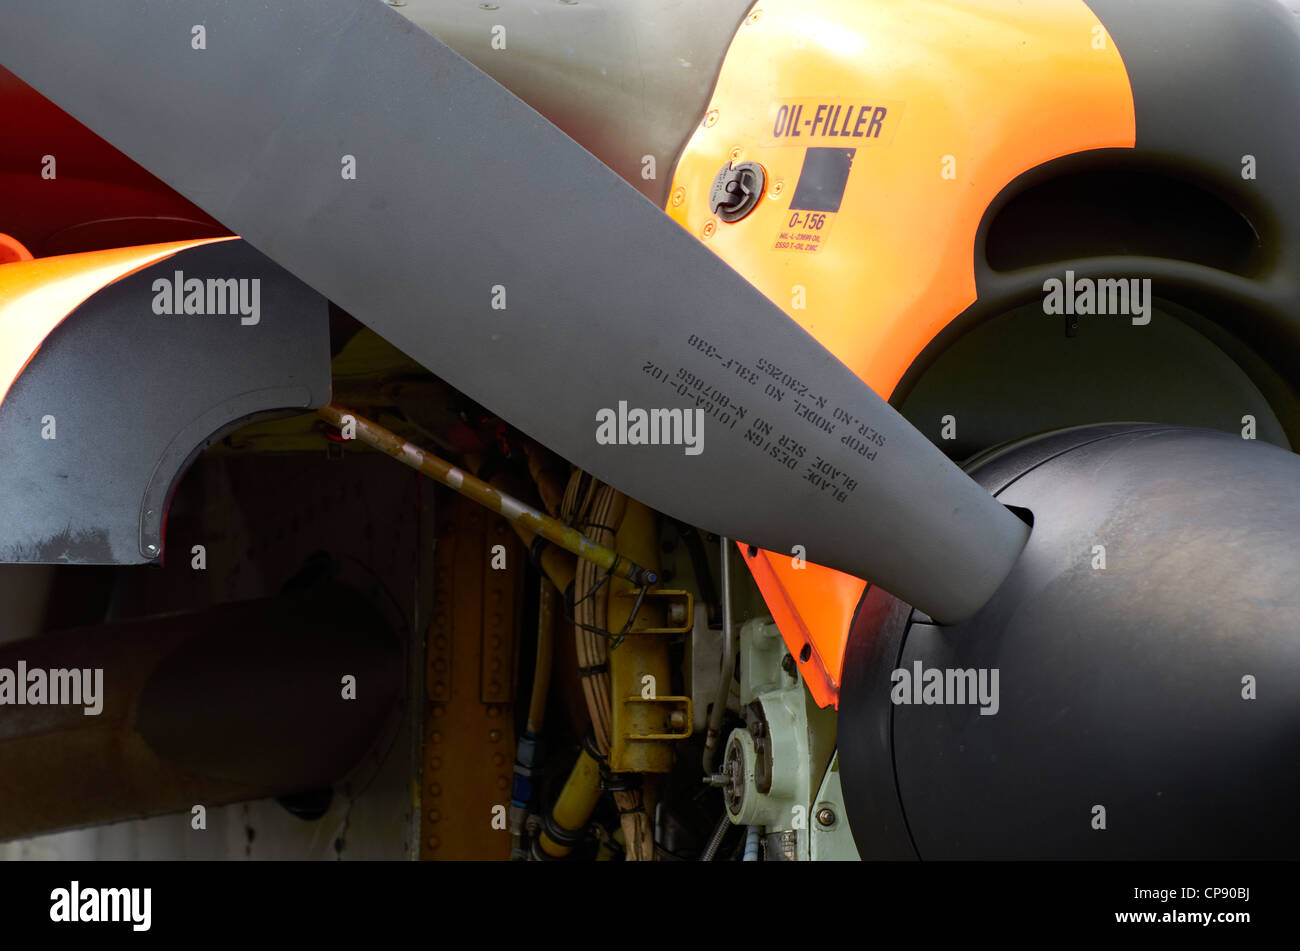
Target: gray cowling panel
{"x": 1119, "y": 687}
{"x": 135, "y": 395}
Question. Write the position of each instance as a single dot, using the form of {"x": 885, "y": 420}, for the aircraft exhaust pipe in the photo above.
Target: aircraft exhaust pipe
{"x": 237, "y": 702}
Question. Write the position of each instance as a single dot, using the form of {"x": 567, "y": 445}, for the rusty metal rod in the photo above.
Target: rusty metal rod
{"x": 513, "y": 510}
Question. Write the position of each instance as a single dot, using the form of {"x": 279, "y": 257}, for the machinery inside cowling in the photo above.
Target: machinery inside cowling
{"x": 905, "y": 472}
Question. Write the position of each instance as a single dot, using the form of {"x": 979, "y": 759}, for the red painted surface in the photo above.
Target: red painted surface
{"x": 97, "y": 198}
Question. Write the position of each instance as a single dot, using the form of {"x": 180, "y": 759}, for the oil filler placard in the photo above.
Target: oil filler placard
{"x": 842, "y": 122}
{"x": 816, "y": 199}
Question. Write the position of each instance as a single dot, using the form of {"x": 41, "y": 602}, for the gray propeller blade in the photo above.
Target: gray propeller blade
{"x": 489, "y": 246}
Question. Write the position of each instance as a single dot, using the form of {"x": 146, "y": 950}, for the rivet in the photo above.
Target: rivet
{"x": 679, "y": 196}
{"x": 710, "y": 118}
{"x": 709, "y": 228}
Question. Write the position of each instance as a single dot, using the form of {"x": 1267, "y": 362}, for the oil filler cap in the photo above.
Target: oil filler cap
{"x": 736, "y": 190}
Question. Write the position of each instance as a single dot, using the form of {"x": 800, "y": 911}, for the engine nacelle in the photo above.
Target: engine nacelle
{"x": 1131, "y": 691}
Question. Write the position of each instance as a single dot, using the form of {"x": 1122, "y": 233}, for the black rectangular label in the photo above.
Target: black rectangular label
{"x": 822, "y": 179}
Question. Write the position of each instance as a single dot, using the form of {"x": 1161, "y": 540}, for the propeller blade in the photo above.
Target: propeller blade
{"x": 397, "y": 179}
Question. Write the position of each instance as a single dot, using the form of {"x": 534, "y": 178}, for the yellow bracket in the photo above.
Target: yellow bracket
{"x": 676, "y": 604}
{"x": 670, "y": 706}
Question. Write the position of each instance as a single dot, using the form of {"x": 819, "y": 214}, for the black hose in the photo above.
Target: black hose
{"x": 690, "y": 536}
{"x": 728, "y": 669}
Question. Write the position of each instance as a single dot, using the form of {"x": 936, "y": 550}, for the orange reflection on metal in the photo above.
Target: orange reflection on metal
{"x": 37, "y": 295}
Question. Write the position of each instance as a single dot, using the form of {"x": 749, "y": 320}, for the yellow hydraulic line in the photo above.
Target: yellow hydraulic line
{"x": 557, "y": 564}
{"x": 546, "y": 596}
{"x": 577, "y": 800}
{"x": 514, "y": 511}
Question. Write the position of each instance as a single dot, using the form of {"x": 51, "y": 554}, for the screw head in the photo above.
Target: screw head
{"x": 710, "y": 118}
{"x": 679, "y": 195}
{"x": 709, "y": 228}
{"x": 826, "y": 816}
